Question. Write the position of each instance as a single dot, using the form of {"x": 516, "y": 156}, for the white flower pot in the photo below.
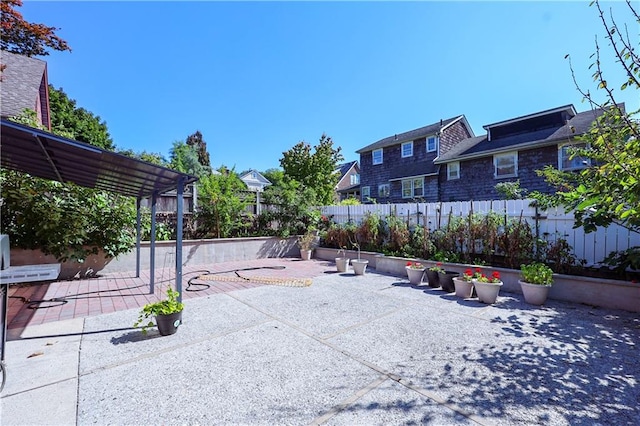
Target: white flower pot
{"x": 534, "y": 294}
{"x": 342, "y": 264}
{"x": 305, "y": 254}
{"x": 359, "y": 266}
{"x": 487, "y": 292}
{"x": 415, "y": 275}
{"x": 464, "y": 288}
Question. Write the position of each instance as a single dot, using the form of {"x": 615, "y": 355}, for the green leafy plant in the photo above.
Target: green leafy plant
{"x": 437, "y": 268}
{"x": 537, "y": 273}
{"x": 307, "y": 241}
{"x": 164, "y": 307}
{"x": 493, "y": 278}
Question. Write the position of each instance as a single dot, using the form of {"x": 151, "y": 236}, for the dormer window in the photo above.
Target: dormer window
{"x": 377, "y": 156}
{"x": 407, "y": 149}
{"x": 432, "y": 143}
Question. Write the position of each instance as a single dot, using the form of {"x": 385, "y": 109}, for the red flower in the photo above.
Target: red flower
{"x": 496, "y": 275}
{"x": 409, "y": 263}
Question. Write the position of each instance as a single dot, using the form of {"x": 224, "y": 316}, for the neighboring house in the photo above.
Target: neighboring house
{"x": 24, "y": 84}
{"x": 401, "y": 168}
{"x": 254, "y": 180}
{"x": 349, "y": 182}
{"x": 512, "y": 150}
{"x": 256, "y": 183}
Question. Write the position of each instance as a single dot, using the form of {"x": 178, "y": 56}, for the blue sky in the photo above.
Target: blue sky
{"x": 255, "y": 78}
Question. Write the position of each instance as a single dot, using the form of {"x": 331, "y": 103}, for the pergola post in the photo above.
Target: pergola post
{"x": 152, "y": 247}
{"x": 138, "y": 235}
{"x": 179, "y": 221}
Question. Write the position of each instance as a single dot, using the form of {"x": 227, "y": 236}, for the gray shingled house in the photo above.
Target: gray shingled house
{"x": 401, "y": 168}
{"x": 513, "y": 150}
{"x": 24, "y": 84}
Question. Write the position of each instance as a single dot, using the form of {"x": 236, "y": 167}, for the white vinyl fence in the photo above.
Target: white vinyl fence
{"x": 552, "y": 224}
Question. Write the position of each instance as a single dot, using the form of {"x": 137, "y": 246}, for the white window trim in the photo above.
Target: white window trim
{"x": 513, "y": 154}
{"x": 560, "y": 157}
{"x": 365, "y": 193}
{"x": 450, "y": 167}
{"x": 373, "y": 156}
{"x": 413, "y": 188}
{"x": 383, "y": 185}
{"x": 435, "y": 145}
{"x": 402, "y": 149}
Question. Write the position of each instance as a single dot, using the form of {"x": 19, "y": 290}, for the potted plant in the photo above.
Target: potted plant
{"x": 537, "y": 279}
{"x": 306, "y": 243}
{"x": 415, "y": 272}
{"x": 488, "y": 287}
{"x": 464, "y": 284}
{"x": 446, "y": 280}
{"x": 342, "y": 262}
{"x": 359, "y": 265}
{"x": 433, "y": 275}
{"x": 167, "y": 313}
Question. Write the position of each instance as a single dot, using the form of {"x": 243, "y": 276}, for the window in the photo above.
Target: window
{"x": 453, "y": 170}
{"x": 407, "y": 149}
{"x": 355, "y": 179}
{"x": 384, "y": 190}
{"x": 505, "y": 165}
{"x": 377, "y": 156}
{"x": 432, "y": 143}
{"x": 567, "y": 162}
{"x": 365, "y": 194}
{"x": 413, "y": 188}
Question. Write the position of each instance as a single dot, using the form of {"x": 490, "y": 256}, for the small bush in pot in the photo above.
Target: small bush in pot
{"x": 536, "y": 281}
{"x": 167, "y": 313}
{"x": 537, "y": 273}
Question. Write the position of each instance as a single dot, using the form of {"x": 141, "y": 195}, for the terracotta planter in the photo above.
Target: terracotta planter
{"x": 305, "y": 254}
{"x": 342, "y": 264}
{"x": 446, "y": 280}
{"x": 415, "y": 275}
{"x": 487, "y": 292}
{"x": 463, "y": 288}
{"x": 534, "y": 294}
{"x": 359, "y": 266}
{"x": 434, "y": 278}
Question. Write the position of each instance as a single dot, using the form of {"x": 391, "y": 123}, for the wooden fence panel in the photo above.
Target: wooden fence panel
{"x": 553, "y": 224}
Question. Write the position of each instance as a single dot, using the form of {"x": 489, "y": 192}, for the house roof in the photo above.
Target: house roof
{"x": 399, "y": 138}
{"x": 247, "y": 177}
{"x": 481, "y": 146}
{"x": 21, "y": 82}
{"x": 568, "y": 108}
{"x": 344, "y": 168}
{"x": 414, "y": 169}
{"x": 53, "y": 157}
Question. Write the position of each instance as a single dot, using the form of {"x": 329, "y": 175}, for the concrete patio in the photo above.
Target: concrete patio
{"x": 345, "y": 350}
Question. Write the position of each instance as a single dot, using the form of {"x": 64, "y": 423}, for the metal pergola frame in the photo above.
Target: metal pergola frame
{"x": 45, "y": 155}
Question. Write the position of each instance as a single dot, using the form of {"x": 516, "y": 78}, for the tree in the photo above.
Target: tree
{"x": 184, "y": 158}
{"x": 315, "y": 170}
{"x": 608, "y": 190}
{"x": 150, "y": 157}
{"x": 200, "y": 145}
{"x": 25, "y": 38}
{"x": 221, "y": 204}
{"x": 77, "y": 123}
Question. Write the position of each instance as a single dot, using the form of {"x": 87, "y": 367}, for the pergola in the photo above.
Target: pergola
{"x": 42, "y": 154}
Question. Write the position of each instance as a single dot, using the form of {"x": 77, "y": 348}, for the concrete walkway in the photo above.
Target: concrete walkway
{"x": 368, "y": 350}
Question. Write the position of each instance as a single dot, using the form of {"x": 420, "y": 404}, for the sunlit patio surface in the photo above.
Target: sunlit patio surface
{"x": 262, "y": 344}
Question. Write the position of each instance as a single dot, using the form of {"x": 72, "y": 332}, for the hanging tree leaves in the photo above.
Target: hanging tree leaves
{"x": 26, "y": 38}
